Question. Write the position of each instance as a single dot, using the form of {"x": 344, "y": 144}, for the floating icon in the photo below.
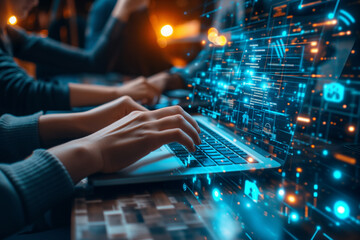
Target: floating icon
{"x": 251, "y": 190}
{"x": 346, "y": 18}
{"x": 279, "y": 48}
{"x": 334, "y": 92}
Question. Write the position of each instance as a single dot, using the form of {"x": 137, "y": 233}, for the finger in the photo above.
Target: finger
{"x": 176, "y": 121}
{"x": 174, "y": 135}
{"x": 164, "y": 112}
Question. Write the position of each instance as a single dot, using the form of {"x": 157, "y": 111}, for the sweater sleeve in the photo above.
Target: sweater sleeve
{"x": 67, "y": 59}
{"x": 20, "y": 94}
{"x": 29, "y": 188}
{"x": 19, "y": 136}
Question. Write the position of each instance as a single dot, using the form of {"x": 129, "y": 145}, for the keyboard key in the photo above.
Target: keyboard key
{"x": 238, "y": 160}
{"x": 206, "y": 162}
{"x": 221, "y": 163}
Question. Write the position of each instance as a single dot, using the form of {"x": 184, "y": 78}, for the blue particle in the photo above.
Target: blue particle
{"x": 207, "y": 16}
{"x": 330, "y": 15}
{"x": 294, "y": 217}
{"x": 297, "y": 174}
{"x": 284, "y": 33}
{"x": 216, "y": 194}
{"x": 341, "y": 210}
{"x": 281, "y": 192}
{"x": 300, "y": 6}
{"x": 316, "y": 187}
{"x": 328, "y": 209}
{"x": 248, "y": 205}
{"x": 337, "y": 174}
{"x": 298, "y": 152}
{"x": 315, "y": 194}
{"x": 185, "y": 13}
{"x": 325, "y": 152}
{"x": 283, "y": 174}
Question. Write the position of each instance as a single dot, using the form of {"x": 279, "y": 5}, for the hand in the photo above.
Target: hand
{"x": 108, "y": 113}
{"x": 124, "y": 8}
{"x": 140, "y": 90}
{"x": 55, "y": 128}
{"x": 127, "y": 140}
{"x": 165, "y": 81}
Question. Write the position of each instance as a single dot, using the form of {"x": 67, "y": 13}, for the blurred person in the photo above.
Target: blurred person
{"x": 139, "y": 53}
{"x": 20, "y": 94}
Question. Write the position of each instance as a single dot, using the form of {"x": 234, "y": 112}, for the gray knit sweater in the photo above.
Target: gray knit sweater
{"x": 27, "y": 187}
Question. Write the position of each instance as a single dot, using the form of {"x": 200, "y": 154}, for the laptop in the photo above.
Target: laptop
{"x": 248, "y": 98}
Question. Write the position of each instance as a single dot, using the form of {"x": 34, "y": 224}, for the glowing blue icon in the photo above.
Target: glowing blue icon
{"x": 251, "y": 190}
{"x": 346, "y": 18}
{"x": 337, "y": 174}
{"x": 279, "y": 48}
{"x": 294, "y": 217}
{"x": 330, "y": 15}
{"x": 341, "y": 209}
{"x": 334, "y": 92}
{"x": 216, "y": 194}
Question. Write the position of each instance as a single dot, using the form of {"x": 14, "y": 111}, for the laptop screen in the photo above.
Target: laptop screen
{"x": 260, "y": 59}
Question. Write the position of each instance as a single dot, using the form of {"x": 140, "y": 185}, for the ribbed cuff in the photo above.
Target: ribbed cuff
{"x": 20, "y": 135}
{"x": 41, "y": 181}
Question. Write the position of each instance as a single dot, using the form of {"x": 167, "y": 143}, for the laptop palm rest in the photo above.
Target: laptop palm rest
{"x": 160, "y": 160}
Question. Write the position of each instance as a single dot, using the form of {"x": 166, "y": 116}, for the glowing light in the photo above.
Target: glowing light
{"x": 167, "y": 31}
{"x": 294, "y": 217}
{"x": 303, "y": 119}
{"x": 216, "y": 194}
{"x": 341, "y": 209}
{"x": 284, "y": 33}
{"x": 291, "y": 199}
{"x": 281, "y": 192}
{"x": 325, "y": 152}
{"x": 221, "y": 40}
{"x": 248, "y": 205}
{"x": 12, "y": 20}
{"x": 351, "y": 128}
{"x": 337, "y": 174}
{"x": 313, "y": 44}
{"x": 314, "y": 50}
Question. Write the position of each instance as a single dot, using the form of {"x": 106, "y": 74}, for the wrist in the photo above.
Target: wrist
{"x": 79, "y": 158}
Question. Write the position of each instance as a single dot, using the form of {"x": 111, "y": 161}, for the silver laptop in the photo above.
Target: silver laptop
{"x": 248, "y": 98}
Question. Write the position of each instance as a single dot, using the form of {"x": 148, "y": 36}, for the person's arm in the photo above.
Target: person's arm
{"x": 29, "y": 188}
{"x": 20, "y": 94}
{"x": 74, "y": 60}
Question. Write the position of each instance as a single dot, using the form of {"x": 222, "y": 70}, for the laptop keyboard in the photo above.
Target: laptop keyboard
{"x": 213, "y": 151}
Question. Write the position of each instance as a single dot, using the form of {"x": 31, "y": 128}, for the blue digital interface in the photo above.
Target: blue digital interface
{"x": 285, "y": 75}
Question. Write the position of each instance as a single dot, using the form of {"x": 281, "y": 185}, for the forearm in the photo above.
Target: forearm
{"x": 82, "y": 95}
{"x": 58, "y": 128}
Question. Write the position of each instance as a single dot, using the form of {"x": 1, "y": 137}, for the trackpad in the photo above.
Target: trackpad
{"x": 160, "y": 160}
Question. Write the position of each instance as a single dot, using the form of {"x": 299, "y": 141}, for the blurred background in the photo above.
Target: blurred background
{"x": 168, "y": 34}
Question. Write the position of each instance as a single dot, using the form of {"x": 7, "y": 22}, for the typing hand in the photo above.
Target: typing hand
{"x": 127, "y": 140}
{"x": 108, "y": 113}
{"x": 140, "y": 90}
